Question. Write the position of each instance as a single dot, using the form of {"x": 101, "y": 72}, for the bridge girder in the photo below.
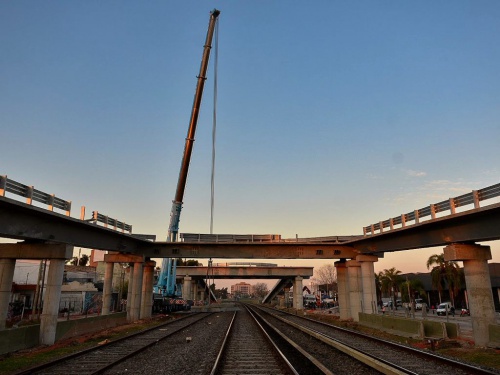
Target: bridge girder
{"x": 26, "y": 222}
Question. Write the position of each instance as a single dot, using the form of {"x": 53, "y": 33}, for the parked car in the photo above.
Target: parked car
{"x": 445, "y": 308}
{"x": 399, "y": 303}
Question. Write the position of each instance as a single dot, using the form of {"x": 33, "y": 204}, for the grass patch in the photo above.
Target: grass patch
{"x": 481, "y": 357}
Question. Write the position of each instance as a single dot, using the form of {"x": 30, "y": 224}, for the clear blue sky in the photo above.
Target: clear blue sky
{"x": 332, "y": 115}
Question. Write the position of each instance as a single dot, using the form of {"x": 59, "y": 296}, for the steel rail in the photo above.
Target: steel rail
{"x": 361, "y": 356}
{"x": 466, "y": 367}
{"x": 156, "y": 336}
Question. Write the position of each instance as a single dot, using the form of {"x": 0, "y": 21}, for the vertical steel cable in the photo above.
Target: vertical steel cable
{"x": 214, "y": 127}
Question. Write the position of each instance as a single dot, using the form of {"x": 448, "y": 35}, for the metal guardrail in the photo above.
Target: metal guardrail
{"x": 248, "y": 264}
{"x": 199, "y": 237}
{"x": 451, "y": 204}
{"x": 31, "y": 194}
{"x": 107, "y": 221}
{"x": 327, "y": 239}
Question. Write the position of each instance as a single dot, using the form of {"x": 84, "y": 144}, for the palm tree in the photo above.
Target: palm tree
{"x": 390, "y": 280}
{"x": 409, "y": 287}
{"x": 445, "y": 274}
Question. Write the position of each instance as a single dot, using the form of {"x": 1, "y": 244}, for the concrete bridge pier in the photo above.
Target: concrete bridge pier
{"x": 186, "y": 287}
{"x": 107, "y": 289}
{"x": 57, "y": 254}
{"x": 477, "y": 279}
{"x": 343, "y": 290}
{"x": 140, "y": 285}
{"x": 129, "y": 290}
{"x": 7, "y": 267}
{"x": 298, "y": 302}
{"x": 369, "y": 291}
{"x": 355, "y": 288}
{"x": 136, "y": 289}
{"x": 195, "y": 291}
{"x": 147, "y": 289}
{"x": 48, "y": 320}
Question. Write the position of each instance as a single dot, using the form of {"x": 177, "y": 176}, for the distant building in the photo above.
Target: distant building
{"x": 242, "y": 289}
{"x": 78, "y": 285}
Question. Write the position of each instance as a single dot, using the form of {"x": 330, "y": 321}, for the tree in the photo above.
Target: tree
{"x": 327, "y": 275}
{"x": 260, "y": 290}
{"x": 445, "y": 274}
{"x": 73, "y": 261}
{"x": 83, "y": 260}
{"x": 409, "y": 288}
{"x": 389, "y": 281}
{"x": 221, "y": 293}
{"x": 189, "y": 263}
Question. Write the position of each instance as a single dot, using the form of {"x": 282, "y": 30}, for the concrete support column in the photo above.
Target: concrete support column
{"x": 107, "y": 289}
{"x": 355, "y": 288}
{"x": 298, "y": 302}
{"x": 135, "y": 308}
{"x": 343, "y": 290}
{"x": 186, "y": 288}
{"x": 147, "y": 290}
{"x": 129, "y": 291}
{"x": 195, "y": 291}
{"x": 478, "y": 283}
{"x": 369, "y": 291}
{"x": 52, "y": 296}
{"x": 7, "y": 267}
{"x": 202, "y": 295}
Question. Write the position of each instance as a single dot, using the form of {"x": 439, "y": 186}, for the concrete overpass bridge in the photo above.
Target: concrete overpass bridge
{"x": 285, "y": 275}
{"x": 49, "y": 235}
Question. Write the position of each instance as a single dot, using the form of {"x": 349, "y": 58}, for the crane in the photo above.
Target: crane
{"x": 166, "y": 282}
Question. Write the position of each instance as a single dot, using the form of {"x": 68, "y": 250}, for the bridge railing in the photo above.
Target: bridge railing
{"x": 475, "y": 197}
{"x": 326, "y": 239}
{"x": 200, "y": 237}
{"x": 108, "y": 221}
{"x": 31, "y": 194}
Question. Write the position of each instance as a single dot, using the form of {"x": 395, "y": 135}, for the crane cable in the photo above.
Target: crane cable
{"x": 214, "y": 127}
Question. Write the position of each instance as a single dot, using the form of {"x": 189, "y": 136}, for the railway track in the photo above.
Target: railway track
{"x": 248, "y": 349}
{"x": 386, "y": 356}
{"x": 253, "y": 341}
{"x": 96, "y": 360}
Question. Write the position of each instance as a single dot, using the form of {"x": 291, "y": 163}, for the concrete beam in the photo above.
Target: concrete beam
{"x": 123, "y": 258}
{"x": 277, "y": 288}
{"x": 463, "y": 252}
{"x": 22, "y": 221}
{"x": 246, "y": 272}
{"x": 22, "y": 250}
{"x": 276, "y": 250}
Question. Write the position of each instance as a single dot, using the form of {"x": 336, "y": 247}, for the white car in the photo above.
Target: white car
{"x": 444, "y": 308}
